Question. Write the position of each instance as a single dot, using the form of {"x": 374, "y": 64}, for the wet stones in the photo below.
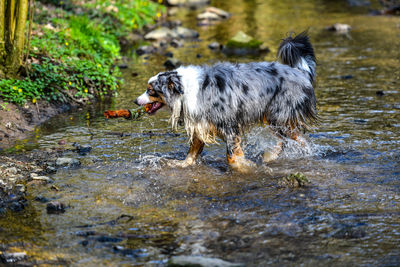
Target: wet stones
{"x": 200, "y": 261}
{"x": 12, "y": 257}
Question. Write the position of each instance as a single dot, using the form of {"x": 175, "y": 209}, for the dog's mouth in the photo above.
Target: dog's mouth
{"x": 154, "y": 107}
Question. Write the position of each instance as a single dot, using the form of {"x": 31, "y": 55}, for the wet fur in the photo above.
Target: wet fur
{"x": 226, "y": 98}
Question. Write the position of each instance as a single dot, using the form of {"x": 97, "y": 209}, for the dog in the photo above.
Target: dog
{"x": 225, "y": 99}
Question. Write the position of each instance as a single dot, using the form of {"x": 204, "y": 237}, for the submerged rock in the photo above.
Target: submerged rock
{"x": 161, "y": 34}
{"x": 243, "y": 44}
{"x": 339, "y": 28}
{"x": 12, "y": 257}
{"x": 294, "y": 180}
{"x": 187, "y": 2}
{"x": 215, "y": 46}
{"x": 211, "y": 15}
{"x": 200, "y": 261}
{"x": 172, "y": 63}
{"x": 55, "y": 207}
{"x": 67, "y": 162}
{"x": 183, "y": 32}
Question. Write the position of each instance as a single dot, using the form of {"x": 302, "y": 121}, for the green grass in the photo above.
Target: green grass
{"x": 74, "y": 55}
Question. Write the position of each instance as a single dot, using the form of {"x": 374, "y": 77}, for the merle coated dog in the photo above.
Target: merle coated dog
{"x": 225, "y": 99}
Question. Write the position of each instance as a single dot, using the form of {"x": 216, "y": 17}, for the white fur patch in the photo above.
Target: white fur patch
{"x": 303, "y": 65}
{"x": 143, "y": 99}
{"x": 152, "y": 79}
{"x": 190, "y": 77}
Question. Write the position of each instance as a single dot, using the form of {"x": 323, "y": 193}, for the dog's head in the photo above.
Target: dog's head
{"x": 162, "y": 89}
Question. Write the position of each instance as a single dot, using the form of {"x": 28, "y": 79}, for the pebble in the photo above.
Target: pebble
{"x": 11, "y": 170}
{"x": 215, "y": 46}
{"x": 200, "y": 261}
{"x": 70, "y": 162}
{"x": 169, "y": 54}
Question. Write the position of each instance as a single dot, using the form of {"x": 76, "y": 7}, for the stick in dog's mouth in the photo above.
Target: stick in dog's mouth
{"x": 154, "y": 107}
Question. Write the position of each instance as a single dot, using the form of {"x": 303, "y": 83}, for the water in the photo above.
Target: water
{"x": 128, "y": 207}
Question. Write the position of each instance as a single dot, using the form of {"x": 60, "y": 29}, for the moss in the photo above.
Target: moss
{"x": 294, "y": 180}
{"x": 253, "y": 44}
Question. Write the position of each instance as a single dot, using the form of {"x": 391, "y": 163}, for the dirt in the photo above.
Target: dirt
{"x": 17, "y": 122}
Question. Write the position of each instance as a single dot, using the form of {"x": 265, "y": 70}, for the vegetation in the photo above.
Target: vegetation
{"x": 74, "y": 47}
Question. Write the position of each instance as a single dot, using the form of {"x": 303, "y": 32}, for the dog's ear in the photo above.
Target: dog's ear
{"x": 174, "y": 83}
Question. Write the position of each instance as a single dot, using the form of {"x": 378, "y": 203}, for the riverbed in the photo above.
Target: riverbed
{"x": 126, "y": 206}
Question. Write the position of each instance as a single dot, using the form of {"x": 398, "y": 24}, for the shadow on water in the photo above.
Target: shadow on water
{"x": 127, "y": 206}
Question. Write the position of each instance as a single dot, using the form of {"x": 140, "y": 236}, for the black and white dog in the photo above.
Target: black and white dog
{"x": 226, "y": 98}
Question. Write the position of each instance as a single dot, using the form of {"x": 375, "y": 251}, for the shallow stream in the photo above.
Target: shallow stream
{"x": 127, "y": 207}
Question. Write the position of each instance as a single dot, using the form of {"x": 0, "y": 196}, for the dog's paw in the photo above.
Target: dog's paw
{"x": 273, "y": 154}
{"x": 243, "y": 165}
{"x": 180, "y": 163}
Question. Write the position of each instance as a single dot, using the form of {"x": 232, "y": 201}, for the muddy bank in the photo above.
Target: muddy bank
{"x": 18, "y": 122}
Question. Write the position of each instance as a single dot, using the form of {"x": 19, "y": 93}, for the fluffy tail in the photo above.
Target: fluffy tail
{"x": 298, "y": 53}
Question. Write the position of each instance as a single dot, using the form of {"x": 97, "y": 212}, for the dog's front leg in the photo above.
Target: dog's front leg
{"x": 196, "y": 147}
{"x": 235, "y": 155}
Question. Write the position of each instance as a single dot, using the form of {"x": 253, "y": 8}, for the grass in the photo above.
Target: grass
{"x": 74, "y": 47}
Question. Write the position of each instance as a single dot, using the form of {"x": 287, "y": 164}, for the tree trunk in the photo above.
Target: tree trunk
{"x": 14, "y": 57}
{"x": 13, "y": 17}
{"x": 2, "y": 40}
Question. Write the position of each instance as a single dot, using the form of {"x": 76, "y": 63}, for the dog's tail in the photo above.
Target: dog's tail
{"x": 298, "y": 53}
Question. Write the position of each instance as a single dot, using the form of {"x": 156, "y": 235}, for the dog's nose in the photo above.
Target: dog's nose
{"x": 136, "y": 102}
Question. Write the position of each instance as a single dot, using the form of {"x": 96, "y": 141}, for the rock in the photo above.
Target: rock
{"x": 380, "y": 93}
{"x": 69, "y": 162}
{"x": 358, "y": 2}
{"x": 123, "y": 66}
{"x": 108, "y": 239}
{"x": 200, "y": 261}
{"x": 36, "y": 177}
{"x": 215, "y": 46}
{"x": 12, "y": 257}
{"x": 199, "y": 55}
{"x": 339, "y": 28}
{"x": 82, "y": 149}
{"x": 161, "y": 33}
{"x": 183, "y": 32}
{"x": 211, "y": 15}
{"x": 176, "y": 43}
{"x": 145, "y": 49}
{"x": 172, "y": 63}
{"x": 221, "y": 13}
{"x": 41, "y": 199}
{"x": 243, "y": 44}
{"x": 169, "y": 54}
{"x": 208, "y": 16}
{"x": 187, "y": 2}
{"x": 11, "y": 170}
{"x": 55, "y": 207}
{"x": 294, "y": 180}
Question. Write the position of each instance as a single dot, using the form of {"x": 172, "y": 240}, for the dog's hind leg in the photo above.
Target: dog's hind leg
{"x": 235, "y": 155}
{"x": 292, "y": 133}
